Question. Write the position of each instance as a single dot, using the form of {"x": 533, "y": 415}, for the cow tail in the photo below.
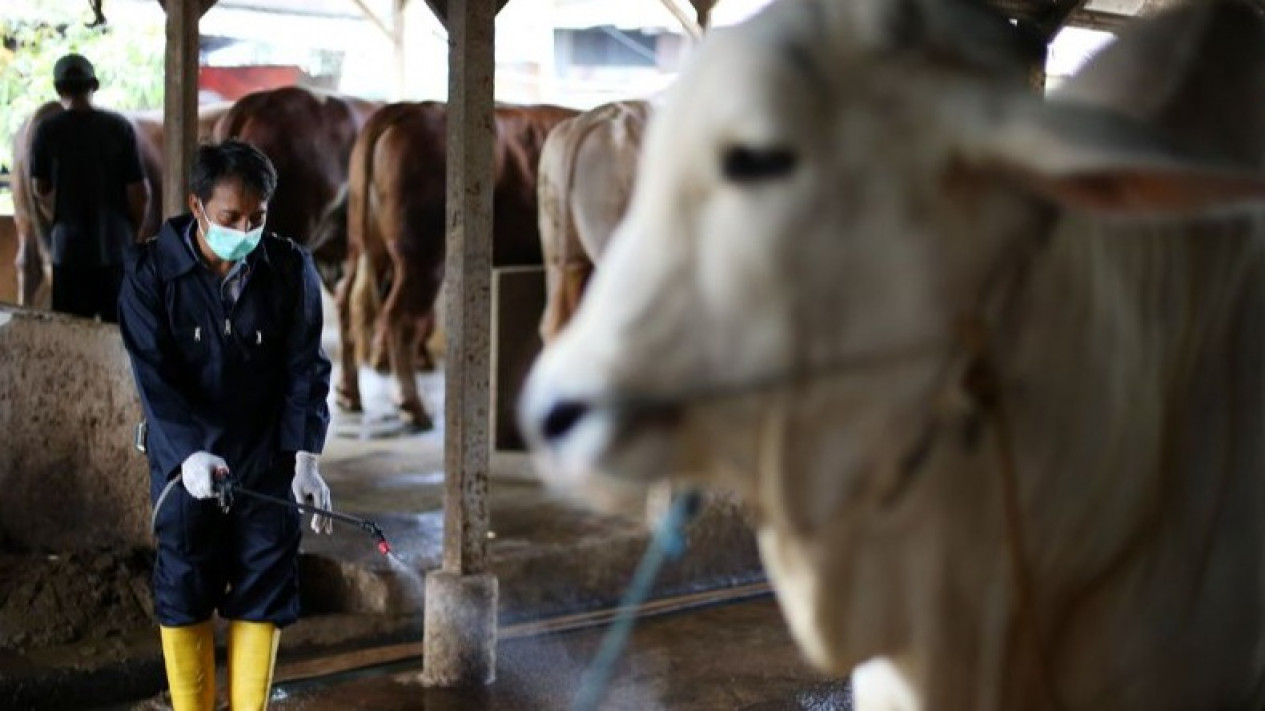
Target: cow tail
{"x": 364, "y": 302}
{"x": 365, "y": 305}
{"x": 364, "y": 294}
{"x": 567, "y": 219}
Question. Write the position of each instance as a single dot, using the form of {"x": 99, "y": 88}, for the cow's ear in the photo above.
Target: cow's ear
{"x": 1093, "y": 159}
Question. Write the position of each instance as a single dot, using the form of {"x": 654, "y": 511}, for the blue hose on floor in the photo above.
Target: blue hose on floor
{"x": 668, "y": 544}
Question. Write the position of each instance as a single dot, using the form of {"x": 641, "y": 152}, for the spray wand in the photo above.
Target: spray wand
{"x": 226, "y": 487}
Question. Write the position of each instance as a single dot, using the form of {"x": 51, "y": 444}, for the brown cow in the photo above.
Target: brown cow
{"x": 35, "y": 271}
{"x": 149, "y": 136}
{"x": 587, "y": 168}
{"x": 308, "y": 136}
{"x": 396, "y": 230}
{"x": 328, "y": 243}
{"x": 34, "y": 268}
{"x": 329, "y": 252}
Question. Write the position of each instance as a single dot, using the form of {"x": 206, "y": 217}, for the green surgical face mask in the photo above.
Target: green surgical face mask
{"x": 227, "y": 243}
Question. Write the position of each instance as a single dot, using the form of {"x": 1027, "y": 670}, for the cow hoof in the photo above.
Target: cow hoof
{"x": 417, "y": 421}
{"x": 345, "y": 402}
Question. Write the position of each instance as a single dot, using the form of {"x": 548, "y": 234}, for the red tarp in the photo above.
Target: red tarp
{"x": 232, "y": 83}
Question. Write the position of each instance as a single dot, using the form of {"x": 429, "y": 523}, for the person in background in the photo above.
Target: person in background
{"x": 223, "y": 327}
{"x": 86, "y": 170}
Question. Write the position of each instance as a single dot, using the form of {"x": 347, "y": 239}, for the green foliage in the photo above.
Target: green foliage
{"x": 128, "y": 60}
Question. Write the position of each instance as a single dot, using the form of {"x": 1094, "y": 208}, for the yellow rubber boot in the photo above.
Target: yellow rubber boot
{"x": 252, "y": 652}
{"x": 189, "y": 654}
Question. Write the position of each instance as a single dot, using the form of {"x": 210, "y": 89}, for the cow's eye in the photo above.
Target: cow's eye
{"x": 744, "y": 164}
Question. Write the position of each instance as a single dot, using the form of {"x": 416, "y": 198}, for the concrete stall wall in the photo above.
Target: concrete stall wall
{"x": 518, "y": 302}
{"x": 69, "y": 477}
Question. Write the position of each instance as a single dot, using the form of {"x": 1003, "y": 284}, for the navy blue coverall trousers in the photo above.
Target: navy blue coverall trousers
{"x": 244, "y": 379}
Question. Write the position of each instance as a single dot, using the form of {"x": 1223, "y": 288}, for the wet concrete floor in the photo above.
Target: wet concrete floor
{"x": 552, "y": 555}
{"x": 735, "y": 656}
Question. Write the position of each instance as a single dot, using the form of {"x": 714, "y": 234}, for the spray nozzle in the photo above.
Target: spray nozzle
{"x": 374, "y": 530}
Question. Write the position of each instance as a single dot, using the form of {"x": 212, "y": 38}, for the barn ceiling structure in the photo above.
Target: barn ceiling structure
{"x": 461, "y": 600}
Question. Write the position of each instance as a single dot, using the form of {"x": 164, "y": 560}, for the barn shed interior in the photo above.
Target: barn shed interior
{"x": 498, "y": 588}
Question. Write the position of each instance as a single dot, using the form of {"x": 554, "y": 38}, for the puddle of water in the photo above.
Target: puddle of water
{"x": 412, "y": 479}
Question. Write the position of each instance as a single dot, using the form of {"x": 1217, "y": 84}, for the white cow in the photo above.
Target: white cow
{"x": 587, "y": 169}
{"x": 989, "y": 368}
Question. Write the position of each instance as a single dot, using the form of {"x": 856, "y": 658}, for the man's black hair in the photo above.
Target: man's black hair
{"x": 215, "y": 163}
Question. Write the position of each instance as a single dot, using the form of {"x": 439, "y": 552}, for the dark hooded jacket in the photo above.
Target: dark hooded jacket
{"x": 248, "y": 383}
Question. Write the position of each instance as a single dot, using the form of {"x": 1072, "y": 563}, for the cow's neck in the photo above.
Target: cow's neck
{"x": 1132, "y": 377}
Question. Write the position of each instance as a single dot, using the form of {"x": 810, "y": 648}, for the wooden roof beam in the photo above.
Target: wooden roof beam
{"x": 1058, "y": 16}
{"x": 373, "y": 17}
{"x": 1099, "y": 20}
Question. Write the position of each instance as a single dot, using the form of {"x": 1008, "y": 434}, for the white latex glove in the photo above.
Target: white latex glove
{"x": 310, "y": 488}
{"x": 198, "y": 472}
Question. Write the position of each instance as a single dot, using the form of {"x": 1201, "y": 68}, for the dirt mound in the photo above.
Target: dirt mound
{"x": 57, "y": 599}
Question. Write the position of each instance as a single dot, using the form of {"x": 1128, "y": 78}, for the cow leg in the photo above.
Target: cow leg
{"x": 425, "y": 329}
{"x": 379, "y": 350}
{"x": 400, "y": 339}
{"x": 379, "y": 355}
{"x": 347, "y": 390}
{"x": 398, "y": 326}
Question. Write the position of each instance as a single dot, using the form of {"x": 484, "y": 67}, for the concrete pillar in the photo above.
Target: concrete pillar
{"x": 460, "y": 634}
{"x": 180, "y": 101}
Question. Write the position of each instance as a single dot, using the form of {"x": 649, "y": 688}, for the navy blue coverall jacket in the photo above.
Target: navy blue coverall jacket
{"x": 247, "y": 383}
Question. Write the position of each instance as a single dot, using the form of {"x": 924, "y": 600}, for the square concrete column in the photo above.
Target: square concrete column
{"x": 461, "y": 600}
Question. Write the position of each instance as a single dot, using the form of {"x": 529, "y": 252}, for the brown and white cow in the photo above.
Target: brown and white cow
{"x": 587, "y": 169}
{"x": 990, "y": 369}
{"x": 308, "y": 136}
{"x": 397, "y": 236}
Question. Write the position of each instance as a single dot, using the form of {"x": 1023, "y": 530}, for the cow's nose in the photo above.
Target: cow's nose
{"x": 561, "y": 418}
